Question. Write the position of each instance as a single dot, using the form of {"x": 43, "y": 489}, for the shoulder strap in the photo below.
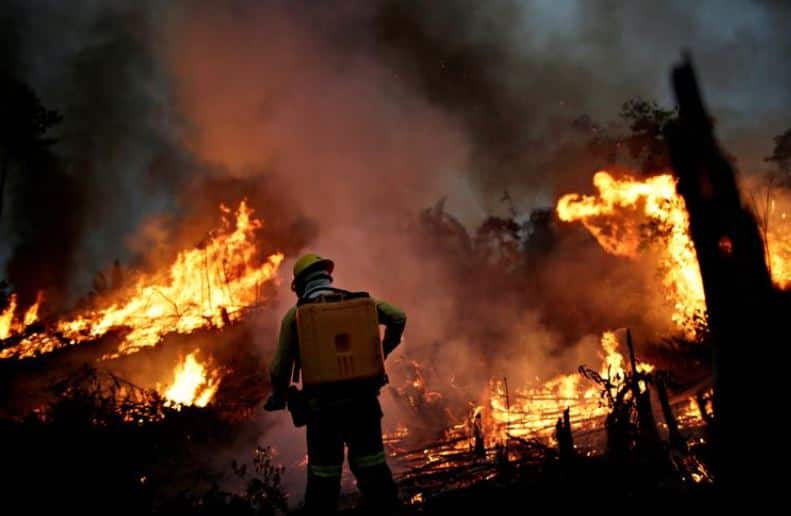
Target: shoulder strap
{"x": 336, "y": 296}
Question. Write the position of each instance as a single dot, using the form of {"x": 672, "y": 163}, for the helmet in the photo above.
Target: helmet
{"x": 310, "y": 262}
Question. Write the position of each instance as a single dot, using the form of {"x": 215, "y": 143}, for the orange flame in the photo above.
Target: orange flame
{"x": 533, "y": 412}
{"x": 194, "y": 383}
{"x": 207, "y": 286}
{"x": 10, "y": 325}
{"x": 778, "y": 239}
{"x": 31, "y": 315}
{"x": 617, "y": 218}
{"x": 7, "y": 318}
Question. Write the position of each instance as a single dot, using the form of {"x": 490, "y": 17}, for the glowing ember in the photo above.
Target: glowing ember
{"x": 618, "y": 217}
{"x": 692, "y": 410}
{"x": 207, "y": 286}
{"x": 194, "y": 383}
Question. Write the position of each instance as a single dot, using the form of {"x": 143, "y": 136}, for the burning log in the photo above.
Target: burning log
{"x": 706, "y": 415}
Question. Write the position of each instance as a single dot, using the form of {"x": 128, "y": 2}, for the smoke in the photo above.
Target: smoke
{"x": 518, "y": 72}
{"x": 340, "y": 122}
{"x": 477, "y": 97}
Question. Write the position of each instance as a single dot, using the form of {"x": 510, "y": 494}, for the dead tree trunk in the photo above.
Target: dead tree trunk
{"x": 565, "y": 438}
{"x": 646, "y": 423}
{"x": 674, "y": 434}
{"x": 741, "y": 303}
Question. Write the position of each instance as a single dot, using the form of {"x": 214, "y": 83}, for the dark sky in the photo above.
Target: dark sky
{"x": 741, "y": 49}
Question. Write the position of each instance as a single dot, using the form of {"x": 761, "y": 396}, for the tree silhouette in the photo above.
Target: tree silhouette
{"x": 643, "y": 141}
{"x": 24, "y": 124}
{"x": 781, "y": 156}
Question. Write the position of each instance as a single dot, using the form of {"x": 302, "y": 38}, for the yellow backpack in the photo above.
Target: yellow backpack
{"x": 339, "y": 339}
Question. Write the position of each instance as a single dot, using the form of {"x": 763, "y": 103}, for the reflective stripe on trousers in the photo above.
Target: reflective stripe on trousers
{"x": 367, "y": 461}
{"x": 332, "y": 471}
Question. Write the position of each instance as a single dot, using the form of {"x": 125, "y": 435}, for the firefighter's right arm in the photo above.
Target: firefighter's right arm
{"x": 283, "y": 362}
{"x": 394, "y": 321}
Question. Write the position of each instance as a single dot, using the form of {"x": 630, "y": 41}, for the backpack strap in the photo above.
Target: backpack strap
{"x": 337, "y": 295}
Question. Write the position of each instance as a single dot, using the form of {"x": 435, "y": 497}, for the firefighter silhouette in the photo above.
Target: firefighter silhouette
{"x": 331, "y": 339}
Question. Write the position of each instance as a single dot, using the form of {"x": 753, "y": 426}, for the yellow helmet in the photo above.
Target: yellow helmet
{"x": 310, "y": 261}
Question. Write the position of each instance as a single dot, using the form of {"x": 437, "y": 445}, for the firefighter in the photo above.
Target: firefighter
{"x": 336, "y": 413}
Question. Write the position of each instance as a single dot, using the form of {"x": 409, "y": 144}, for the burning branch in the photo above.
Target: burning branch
{"x": 175, "y": 302}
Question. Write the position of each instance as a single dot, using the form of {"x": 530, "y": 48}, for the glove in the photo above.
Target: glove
{"x": 276, "y": 401}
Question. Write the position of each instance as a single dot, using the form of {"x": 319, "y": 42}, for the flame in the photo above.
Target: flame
{"x": 31, "y": 315}
{"x": 533, "y": 412}
{"x": 10, "y": 325}
{"x": 207, "y": 286}
{"x": 194, "y": 383}
{"x": 692, "y": 410}
{"x": 618, "y": 216}
{"x": 778, "y": 239}
{"x": 7, "y": 318}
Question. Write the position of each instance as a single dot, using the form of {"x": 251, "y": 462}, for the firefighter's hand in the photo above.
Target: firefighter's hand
{"x": 275, "y": 402}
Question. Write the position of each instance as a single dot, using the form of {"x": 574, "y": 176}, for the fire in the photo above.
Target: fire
{"x": 533, "y": 412}
{"x": 622, "y": 210}
{"x": 7, "y": 318}
{"x": 207, "y": 286}
{"x": 618, "y": 217}
{"x": 31, "y": 315}
{"x": 778, "y": 239}
{"x": 194, "y": 383}
{"x": 10, "y": 325}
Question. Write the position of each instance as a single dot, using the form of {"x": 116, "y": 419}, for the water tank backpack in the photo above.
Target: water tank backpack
{"x": 339, "y": 339}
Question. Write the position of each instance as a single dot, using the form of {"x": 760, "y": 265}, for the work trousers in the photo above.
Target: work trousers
{"x": 355, "y": 423}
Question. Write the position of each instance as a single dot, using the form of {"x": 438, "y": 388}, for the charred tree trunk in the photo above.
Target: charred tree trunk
{"x": 565, "y": 438}
{"x": 646, "y": 426}
{"x": 742, "y": 305}
{"x": 674, "y": 434}
{"x": 619, "y": 434}
{"x": 648, "y": 433}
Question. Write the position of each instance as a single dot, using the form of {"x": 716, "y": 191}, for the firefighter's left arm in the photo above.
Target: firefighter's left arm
{"x": 394, "y": 321}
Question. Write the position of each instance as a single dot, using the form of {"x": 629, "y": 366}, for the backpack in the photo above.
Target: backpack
{"x": 339, "y": 338}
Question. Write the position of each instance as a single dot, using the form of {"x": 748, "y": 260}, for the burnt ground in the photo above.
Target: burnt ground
{"x": 103, "y": 444}
{"x": 86, "y": 460}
